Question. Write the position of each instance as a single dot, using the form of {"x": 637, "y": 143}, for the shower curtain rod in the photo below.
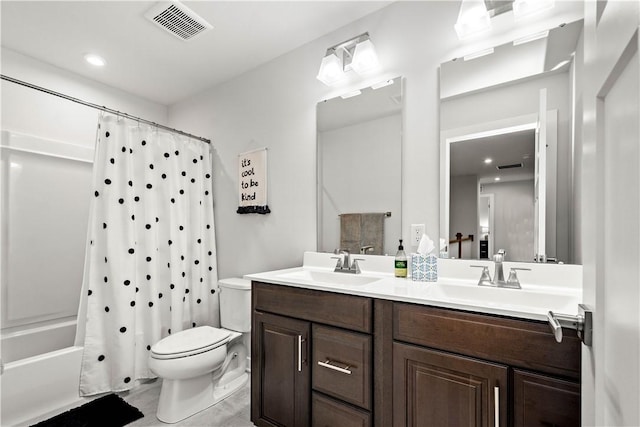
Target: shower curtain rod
{"x": 101, "y": 108}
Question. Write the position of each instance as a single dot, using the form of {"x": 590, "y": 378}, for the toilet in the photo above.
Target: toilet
{"x": 201, "y": 366}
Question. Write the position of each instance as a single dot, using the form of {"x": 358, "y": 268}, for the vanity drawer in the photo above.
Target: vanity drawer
{"x": 522, "y": 343}
{"x": 346, "y": 311}
{"x": 328, "y": 412}
{"x": 341, "y": 365}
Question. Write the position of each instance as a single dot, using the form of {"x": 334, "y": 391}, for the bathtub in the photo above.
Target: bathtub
{"x": 41, "y": 372}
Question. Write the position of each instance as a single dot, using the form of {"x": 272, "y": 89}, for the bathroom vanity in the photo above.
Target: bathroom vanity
{"x": 396, "y": 352}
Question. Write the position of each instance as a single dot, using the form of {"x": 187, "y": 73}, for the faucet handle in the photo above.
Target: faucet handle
{"x": 355, "y": 266}
{"x": 513, "y": 275}
{"x": 485, "y": 276}
{"x": 339, "y": 263}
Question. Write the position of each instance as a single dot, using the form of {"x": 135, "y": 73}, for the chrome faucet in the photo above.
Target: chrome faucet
{"x": 365, "y": 249}
{"x": 498, "y": 276}
{"x": 344, "y": 264}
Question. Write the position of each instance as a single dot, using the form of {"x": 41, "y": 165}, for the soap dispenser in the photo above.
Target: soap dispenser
{"x": 401, "y": 262}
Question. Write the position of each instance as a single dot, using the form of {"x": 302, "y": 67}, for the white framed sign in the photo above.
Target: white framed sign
{"x": 252, "y": 182}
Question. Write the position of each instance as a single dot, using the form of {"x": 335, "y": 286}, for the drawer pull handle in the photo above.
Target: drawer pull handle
{"x": 328, "y": 364}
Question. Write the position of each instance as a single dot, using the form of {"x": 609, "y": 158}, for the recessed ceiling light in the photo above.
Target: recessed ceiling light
{"x": 95, "y": 60}
{"x": 497, "y": 178}
{"x": 488, "y": 161}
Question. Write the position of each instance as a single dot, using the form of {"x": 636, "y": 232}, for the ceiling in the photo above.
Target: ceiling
{"x": 147, "y": 61}
{"x": 467, "y": 157}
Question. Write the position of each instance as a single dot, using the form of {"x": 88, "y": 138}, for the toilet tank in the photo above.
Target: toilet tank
{"x": 235, "y": 304}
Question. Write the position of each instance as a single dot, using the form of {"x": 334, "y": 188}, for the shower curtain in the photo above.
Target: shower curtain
{"x": 150, "y": 266}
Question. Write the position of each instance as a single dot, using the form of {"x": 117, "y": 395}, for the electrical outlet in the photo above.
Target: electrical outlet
{"x": 417, "y": 230}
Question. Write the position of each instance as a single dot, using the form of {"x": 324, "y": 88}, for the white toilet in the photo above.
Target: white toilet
{"x": 201, "y": 366}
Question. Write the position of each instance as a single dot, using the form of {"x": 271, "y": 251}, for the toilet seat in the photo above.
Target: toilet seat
{"x": 190, "y": 342}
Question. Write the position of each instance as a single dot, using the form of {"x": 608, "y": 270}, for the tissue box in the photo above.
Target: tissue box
{"x": 424, "y": 268}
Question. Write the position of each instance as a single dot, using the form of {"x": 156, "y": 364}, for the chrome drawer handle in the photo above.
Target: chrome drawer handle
{"x": 328, "y": 364}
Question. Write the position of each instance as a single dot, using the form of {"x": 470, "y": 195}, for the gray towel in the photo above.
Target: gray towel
{"x": 360, "y": 230}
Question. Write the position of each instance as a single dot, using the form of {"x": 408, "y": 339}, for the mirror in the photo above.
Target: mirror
{"x": 359, "y": 170}
{"x": 507, "y": 129}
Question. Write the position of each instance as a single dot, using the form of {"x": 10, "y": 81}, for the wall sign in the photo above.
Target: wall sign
{"x": 252, "y": 178}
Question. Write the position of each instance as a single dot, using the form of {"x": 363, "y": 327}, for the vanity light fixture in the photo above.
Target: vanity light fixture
{"x": 365, "y": 58}
{"x": 475, "y": 55}
{"x": 357, "y": 54}
{"x": 95, "y": 60}
{"x": 531, "y": 37}
{"x": 330, "y": 69}
{"x": 473, "y": 18}
{"x": 526, "y": 8}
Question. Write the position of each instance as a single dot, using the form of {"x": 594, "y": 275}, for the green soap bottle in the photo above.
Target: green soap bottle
{"x": 401, "y": 262}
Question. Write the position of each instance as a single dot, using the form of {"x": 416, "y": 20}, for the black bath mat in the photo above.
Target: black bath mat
{"x": 109, "y": 410}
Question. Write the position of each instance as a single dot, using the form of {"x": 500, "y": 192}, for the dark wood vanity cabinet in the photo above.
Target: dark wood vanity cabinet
{"x": 325, "y": 359}
{"x": 311, "y": 358}
{"x": 458, "y": 368}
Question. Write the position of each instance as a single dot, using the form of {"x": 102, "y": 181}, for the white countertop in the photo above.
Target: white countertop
{"x": 457, "y": 291}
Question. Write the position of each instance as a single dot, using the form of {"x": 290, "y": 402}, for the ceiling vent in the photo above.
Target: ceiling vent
{"x": 178, "y": 19}
{"x": 512, "y": 166}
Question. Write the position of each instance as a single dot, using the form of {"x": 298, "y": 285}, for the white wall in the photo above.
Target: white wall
{"x": 274, "y": 106}
{"x": 35, "y": 113}
{"x": 367, "y": 179}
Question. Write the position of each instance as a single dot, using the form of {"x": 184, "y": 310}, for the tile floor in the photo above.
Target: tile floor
{"x": 233, "y": 411}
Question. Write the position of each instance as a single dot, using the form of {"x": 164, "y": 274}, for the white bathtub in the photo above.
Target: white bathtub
{"x": 41, "y": 373}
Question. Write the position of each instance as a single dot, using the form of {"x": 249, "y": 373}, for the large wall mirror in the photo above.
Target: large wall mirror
{"x": 508, "y": 121}
{"x": 359, "y": 166}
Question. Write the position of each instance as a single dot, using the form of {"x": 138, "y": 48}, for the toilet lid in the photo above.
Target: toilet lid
{"x": 195, "y": 340}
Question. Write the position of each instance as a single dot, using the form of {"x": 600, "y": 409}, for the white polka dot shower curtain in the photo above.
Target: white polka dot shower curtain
{"x": 151, "y": 263}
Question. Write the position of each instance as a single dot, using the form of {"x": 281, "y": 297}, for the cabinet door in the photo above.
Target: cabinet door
{"x": 544, "y": 401}
{"x": 433, "y": 388}
{"x": 280, "y": 386}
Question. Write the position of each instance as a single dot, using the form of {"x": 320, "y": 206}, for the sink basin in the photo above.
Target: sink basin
{"x": 562, "y": 302}
{"x": 328, "y": 277}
